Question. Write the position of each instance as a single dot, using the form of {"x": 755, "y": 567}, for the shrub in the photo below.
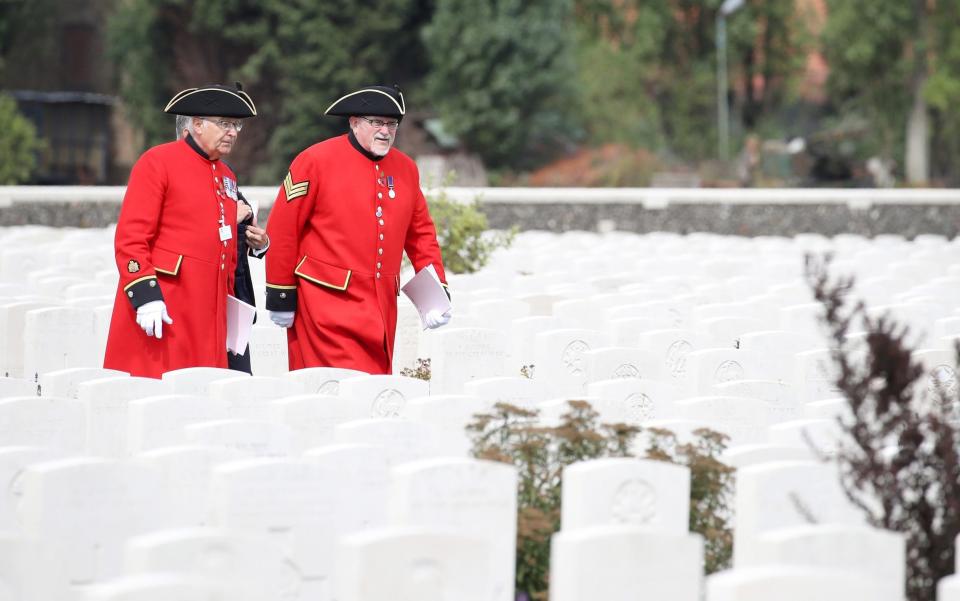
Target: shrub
{"x": 18, "y": 144}
{"x": 421, "y": 371}
{"x": 513, "y": 435}
{"x": 462, "y": 233}
{"x": 898, "y": 459}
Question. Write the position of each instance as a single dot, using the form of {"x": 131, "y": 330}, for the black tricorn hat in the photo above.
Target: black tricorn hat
{"x": 382, "y": 101}
{"x": 212, "y": 101}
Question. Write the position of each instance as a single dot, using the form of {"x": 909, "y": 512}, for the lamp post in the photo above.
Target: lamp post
{"x": 723, "y": 110}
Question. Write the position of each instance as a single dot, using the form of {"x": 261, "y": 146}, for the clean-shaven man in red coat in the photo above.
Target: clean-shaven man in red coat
{"x": 347, "y": 210}
{"x": 175, "y": 244}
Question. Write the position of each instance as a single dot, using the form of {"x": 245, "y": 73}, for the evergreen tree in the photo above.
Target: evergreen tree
{"x": 18, "y": 144}
{"x": 502, "y": 76}
{"x": 902, "y": 76}
{"x": 295, "y": 59}
{"x": 648, "y": 70}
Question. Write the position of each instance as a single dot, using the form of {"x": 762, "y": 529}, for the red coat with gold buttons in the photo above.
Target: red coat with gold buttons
{"x": 338, "y": 230}
{"x": 168, "y": 248}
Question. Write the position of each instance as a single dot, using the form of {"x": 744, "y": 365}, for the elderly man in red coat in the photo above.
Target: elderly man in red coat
{"x": 174, "y": 243}
{"x": 348, "y": 209}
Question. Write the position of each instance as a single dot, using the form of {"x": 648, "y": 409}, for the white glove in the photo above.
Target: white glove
{"x": 151, "y": 316}
{"x": 434, "y": 319}
{"x": 284, "y": 319}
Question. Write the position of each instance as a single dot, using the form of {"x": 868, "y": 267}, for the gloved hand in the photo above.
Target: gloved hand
{"x": 434, "y": 319}
{"x": 284, "y": 319}
{"x": 151, "y": 316}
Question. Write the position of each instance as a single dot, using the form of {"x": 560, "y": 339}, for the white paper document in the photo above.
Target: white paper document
{"x": 426, "y": 292}
{"x": 239, "y": 323}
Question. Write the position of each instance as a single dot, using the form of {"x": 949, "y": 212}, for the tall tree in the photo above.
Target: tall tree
{"x": 900, "y": 73}
{"x": 501, "y": 78}
{"x": 295, "y": 58}
{"x": 648, "y": 70}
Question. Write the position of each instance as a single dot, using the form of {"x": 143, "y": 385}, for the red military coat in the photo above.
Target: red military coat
{"x": 336, "y": 240}
{"x": 168, "y": 248}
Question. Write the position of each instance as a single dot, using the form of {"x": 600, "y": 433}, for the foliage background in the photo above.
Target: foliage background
{"x": 524, "y": 83}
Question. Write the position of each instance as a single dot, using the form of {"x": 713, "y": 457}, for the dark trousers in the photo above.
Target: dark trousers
{"x": 240, "y": 362}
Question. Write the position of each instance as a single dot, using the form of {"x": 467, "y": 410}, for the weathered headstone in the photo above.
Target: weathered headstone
{"x": 624, "y": 563}
{"x": 638, "y": 492}
{"x": 477, "y": 498}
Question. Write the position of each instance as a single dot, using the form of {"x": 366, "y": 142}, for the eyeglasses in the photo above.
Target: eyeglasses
{"x": 225, "y": 125}
{"x": 378, "y": 123}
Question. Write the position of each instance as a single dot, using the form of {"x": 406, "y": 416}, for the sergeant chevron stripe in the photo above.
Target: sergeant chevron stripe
{"x": 295, "y": 190}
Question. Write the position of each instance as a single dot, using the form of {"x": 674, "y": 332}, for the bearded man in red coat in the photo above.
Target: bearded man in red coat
{"x": 347, "y": 210}
{"x": 174, "y": 243}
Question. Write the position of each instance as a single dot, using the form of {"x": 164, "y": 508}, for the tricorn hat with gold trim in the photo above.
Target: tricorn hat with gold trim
{"x": 212, "y": 101}
{"x": 381, "y": 101}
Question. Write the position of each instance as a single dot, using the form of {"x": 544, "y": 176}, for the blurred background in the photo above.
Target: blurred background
{"x": 674, "y": 93}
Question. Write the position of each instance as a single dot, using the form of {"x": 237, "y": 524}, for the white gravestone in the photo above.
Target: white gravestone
{"x": 459, "y": 355}
{"x": 158, "y": 421}
{"x": 17, "y": 387}
{"x": 43, "y": 422}
{"x": 559, "y": 356}
{"x": 513, "y": 390}
{"x": 814, "y": 376}
{"x": 747, "y": 455}
{"x": 876, "y": 554}
{"x": 638, "y": 492}
{"x": 57, "y": 338}
{"x": 360, "y": 477}
{"x": 745, "y": 420}
{"x": 625, "y": 563}
{"x": 292, "y": 501}
{"x": 672, "y": 346}
{"x": 523, "y": 334}
{"x": 268, "y": 349}
{"x": 450, "y": 414}
{"x": 250, "y": 397}
{"x": 185, "y": 473}
{"x": 251, "y": 437}
{"x": 404, "y": 440}
{"x": 13, "y": 317}
{"x": 13, "y": 460}
{"x": 780, "y": 397}
{"x": 165, "y": 587}
{"x": 633, "y": 401}
{"x": 407, "y": 340}
{"x": 313, "y": 417}
{"x": 500, "y": 312}
{"x": 196, "y": 380}
{"x": 621, "y": 362}
{"x": 65, "y": 383}
{"x": 477, "y": 498}
{"x": 83, "y": 510}
{"x": 709, "y": 367}
{"x": 725, "y": 332}
{"x": 413, "y": 564}
{"x": 385, "y": 396}
{"x": 821, "y": 438}
{"x": 795, "y": 583}
{"x": 108, "y": 403}
{"x": 778, "y": 495}
{"x": 322, "y": 380}
{"x": 218, "y": 555}
{"x": 626, "y": 331}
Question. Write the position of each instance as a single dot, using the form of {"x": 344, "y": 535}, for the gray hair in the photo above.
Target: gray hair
{"x": 183, "y": 122}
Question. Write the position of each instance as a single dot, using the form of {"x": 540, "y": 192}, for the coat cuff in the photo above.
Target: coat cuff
{"x": 281, "y": 298}
{"x": 142, "y": 291}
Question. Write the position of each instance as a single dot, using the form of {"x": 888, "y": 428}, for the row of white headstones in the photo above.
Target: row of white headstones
{"x": 677, "y": 332}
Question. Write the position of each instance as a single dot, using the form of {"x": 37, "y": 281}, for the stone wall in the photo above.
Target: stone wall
{"x": 753, "y": 212}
